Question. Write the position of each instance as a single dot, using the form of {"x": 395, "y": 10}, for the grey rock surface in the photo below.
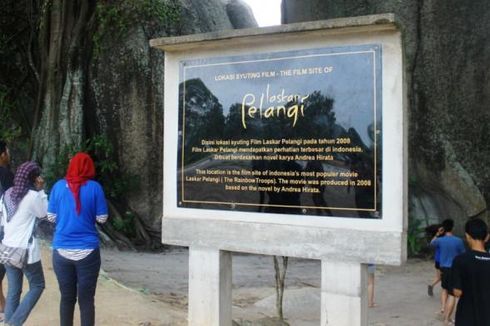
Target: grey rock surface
{"x": 240, "y": 14}
{"x": 127, "y": 94}
{"x": 447, "y": 52}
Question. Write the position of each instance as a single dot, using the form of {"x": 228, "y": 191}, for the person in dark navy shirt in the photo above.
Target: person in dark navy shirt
{"x": 471, "y": 278}
{"x": 6, "y": 176}
{"x": 6, "y": 181}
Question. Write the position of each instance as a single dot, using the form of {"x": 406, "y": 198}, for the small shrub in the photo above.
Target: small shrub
{"x": 9, "y": 130}
{"x": 415, "y": 236}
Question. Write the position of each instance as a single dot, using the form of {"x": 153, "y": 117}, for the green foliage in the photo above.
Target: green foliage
{"x": 57, "y": 169}
{"x": 9, "y": 130}
{"x": 159, "y": 11}
{"x": 117, "y": 184}
{"x": 125, "y": 224}
{"x": 116, "y": 18}
{"x": 415, "y": 236}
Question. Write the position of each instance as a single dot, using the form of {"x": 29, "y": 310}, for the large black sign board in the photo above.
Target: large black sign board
{"x": 296, "y": 132}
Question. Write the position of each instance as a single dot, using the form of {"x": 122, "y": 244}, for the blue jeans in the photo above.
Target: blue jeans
{"x": 77, "y": 276}
{"x": 16, "y": 312}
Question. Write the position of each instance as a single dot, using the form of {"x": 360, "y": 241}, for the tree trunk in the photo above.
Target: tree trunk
{"x": 280, "y": 276}
{"x": 65, "y": 46}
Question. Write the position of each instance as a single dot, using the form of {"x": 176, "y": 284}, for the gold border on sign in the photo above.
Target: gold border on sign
{"x": 372, "y": 51}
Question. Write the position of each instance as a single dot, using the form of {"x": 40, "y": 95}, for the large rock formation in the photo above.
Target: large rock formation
{"x": 127, "y": 92}
{"x": 447, "y": 57}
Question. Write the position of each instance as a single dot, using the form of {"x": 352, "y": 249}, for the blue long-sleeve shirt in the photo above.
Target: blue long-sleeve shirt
{"x": 76, "y": 231}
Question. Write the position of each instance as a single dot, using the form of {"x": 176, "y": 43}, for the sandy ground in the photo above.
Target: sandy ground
{"x": 150, "y": 289}
{"x": 115, "y": 304}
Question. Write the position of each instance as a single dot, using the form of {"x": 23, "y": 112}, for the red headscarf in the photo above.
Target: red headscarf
{"x": 80, "y": 169}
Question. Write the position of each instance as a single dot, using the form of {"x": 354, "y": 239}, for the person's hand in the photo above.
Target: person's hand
{"x": 440, "y": 231}
{"x": 39, "y": 183}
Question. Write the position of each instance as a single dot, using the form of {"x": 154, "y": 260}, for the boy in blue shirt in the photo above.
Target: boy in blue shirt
{"x": 449, "y": 247}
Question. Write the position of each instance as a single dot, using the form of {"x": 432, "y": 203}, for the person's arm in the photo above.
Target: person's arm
{"x": 53, "y": 204}
{"x": 40, "y": 207}
{"x": 462, "y": 249}
{"x": 2, "y": 221}
{"x": 457, "y": 279}
{"x": 102, "y": 212}
{"x": 434, "y": 240}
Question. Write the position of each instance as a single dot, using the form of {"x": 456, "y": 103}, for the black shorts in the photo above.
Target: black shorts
{"x": 447, "y": 280}
{"x": 437, "y": 265}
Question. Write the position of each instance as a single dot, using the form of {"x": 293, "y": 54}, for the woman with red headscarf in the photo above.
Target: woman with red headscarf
{"x": 21, "y": 205}
{"x": 76, "y": 204}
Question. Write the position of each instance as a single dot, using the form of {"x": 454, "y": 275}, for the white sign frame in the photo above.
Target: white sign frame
{"x": 381, "y": 241}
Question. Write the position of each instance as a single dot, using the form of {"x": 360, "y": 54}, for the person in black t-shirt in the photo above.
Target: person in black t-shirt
{"x": 6, "y": 176}
{"x": 471, "y": 278}
{"x": 6, "y": 181}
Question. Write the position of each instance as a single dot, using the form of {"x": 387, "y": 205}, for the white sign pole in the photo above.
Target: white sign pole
{"x": 344, "y": 297}
{"x": 209, "y": 287}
